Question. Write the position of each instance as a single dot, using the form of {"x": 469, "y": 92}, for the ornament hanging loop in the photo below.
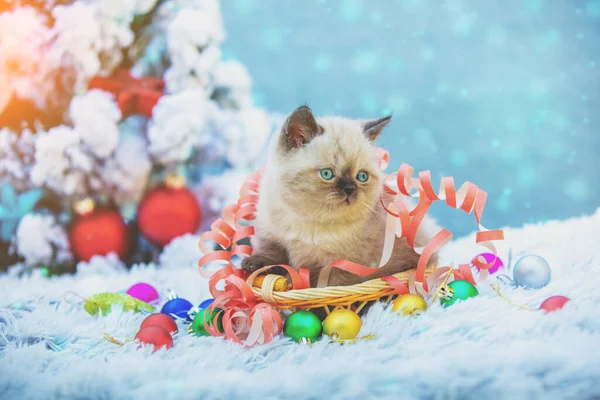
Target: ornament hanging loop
{"x": 70, "y": 292}
{"x": 506, "y": 279}
{"x": 496, "y": 289}
{"x": 113, "y": 340}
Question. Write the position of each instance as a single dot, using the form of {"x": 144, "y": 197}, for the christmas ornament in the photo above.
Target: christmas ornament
{"x": 205, "y": 304}
{"x": 177, "y": 308}
{"x": 162, "y": 320}
{"x": 532, "y": 272}
{"x": 488, "y": 258}
{"x": 168, "y": 211}
{"x": 97, "y": 232}
{"x": 144, "y": 292}
{"x": 302, "y": 325}
{"x": 409, "y": 304}
{"x": 104, "y": 301}
{"x": 457, "y": 290}
{"x": 156, "y": 336}
{"x": 134, "y": 95}
{"x": 197, "y": 325}
{"x": 13, "y": 207}
{"x": 554, "y": 303}
{"x": 342, "y": 324}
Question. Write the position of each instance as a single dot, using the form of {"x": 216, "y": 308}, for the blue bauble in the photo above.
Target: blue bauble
{"x": 206, "y": 303}
{"x": 177, "y": 308}
{"x": 532, "y": 272}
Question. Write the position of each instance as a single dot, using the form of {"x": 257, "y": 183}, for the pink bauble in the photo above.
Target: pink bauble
{"x": 489, "y": 257}
{"x": 143, "y": 292}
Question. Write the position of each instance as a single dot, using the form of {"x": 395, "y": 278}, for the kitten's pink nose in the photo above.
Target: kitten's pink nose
{"x": 346, "y": 186}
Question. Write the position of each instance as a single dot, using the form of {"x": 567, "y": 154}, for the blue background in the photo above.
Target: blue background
{"x": 505, "y": 94}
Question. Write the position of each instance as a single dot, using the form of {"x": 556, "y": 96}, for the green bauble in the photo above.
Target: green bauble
{"x": 461, "y": 290}
{"x": 302, "y": 325}
{"x": 197, "y": 325}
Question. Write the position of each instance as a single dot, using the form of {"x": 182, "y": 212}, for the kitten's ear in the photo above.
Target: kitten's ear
{"x": 373, "y": 128}
{"x": 300, "y": 128}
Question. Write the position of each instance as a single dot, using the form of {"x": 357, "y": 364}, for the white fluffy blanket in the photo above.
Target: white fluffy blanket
{"x": 482, "y": 348}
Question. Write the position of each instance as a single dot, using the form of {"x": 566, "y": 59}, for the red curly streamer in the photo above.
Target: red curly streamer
{"x": 249, "y": 322}
{"x": 397, "y": 284}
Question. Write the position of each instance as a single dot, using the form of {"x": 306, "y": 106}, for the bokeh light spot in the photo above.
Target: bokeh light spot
{"x": 272, "y": 38}
{"x": 464, "y": 24}
{"x": 427, "y": 54}
{"x": 364, "y": 61}
{"x": 458, "y": 158}
{"x": 555, "y": 150}
{"x": 398, "y": 104}
{"x": 351, "y": 10}
{"x": 535, "y": 5}
{"x": 513, "y": 123}
{"x": 577, "y": 189}
{"x": 368, "y": 102}
{"x": 395, "y": 65}
{"x": 526, "y": 176}
{"x": 376, "y": 16}
{"x": 547, "y": 40}
{"x": 496, "y": 36}
{"x": 511, "y": 151}
{"x": 559, "y": 121}
{"x": 593, "y": 8}
{"x": 442, "y": 87}
{"x": 323, "y": 62}
{"x": 503, "y": 203}
{"x": 244, "y": 7}
{"x": 539, "y": 88}
{"x": 423, "y": 138}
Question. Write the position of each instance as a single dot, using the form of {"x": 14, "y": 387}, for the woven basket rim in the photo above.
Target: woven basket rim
{"x": 332, "y": 295}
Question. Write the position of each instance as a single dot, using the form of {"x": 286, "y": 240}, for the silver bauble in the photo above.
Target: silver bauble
{"x": 532, "y": 272}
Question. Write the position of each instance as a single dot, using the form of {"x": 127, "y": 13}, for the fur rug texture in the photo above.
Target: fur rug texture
{"x": 484, "y": 348}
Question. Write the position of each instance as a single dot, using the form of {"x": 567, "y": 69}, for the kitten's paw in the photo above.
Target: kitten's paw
{"x": 254, "y": 262}
{"x": 257, "y": 261}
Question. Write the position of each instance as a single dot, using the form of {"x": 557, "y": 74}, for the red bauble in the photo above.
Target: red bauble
{"x": 167, "y": 212}
{"x": 156, "y": 336}
{"x": 162, "y": 320}
{"x": 134, "y": 95}
{"x": 98, "y": 232}
{"x": 554, "y": 303}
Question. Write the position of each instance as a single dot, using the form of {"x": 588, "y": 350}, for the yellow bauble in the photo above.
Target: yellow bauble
{"x": 409, "y": 304}
{"x": 342, "y": 324}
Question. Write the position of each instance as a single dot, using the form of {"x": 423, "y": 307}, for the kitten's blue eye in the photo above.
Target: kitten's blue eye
{"x": 326, "y": 173}
{"x": 362, "y": 176}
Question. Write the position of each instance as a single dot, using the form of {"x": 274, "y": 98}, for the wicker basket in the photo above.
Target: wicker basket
{"x": 332, "y": 296}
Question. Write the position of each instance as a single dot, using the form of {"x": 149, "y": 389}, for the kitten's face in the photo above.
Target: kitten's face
{"x": 328, "y": 169}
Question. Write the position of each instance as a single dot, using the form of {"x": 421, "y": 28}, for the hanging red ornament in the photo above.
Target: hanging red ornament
{"x": 134, "y": 95}
{"x": 97, "y": 232}
{"x": 168, "y": 211}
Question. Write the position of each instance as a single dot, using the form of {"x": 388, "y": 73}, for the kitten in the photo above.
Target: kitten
{"x": 319, "y": 201}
